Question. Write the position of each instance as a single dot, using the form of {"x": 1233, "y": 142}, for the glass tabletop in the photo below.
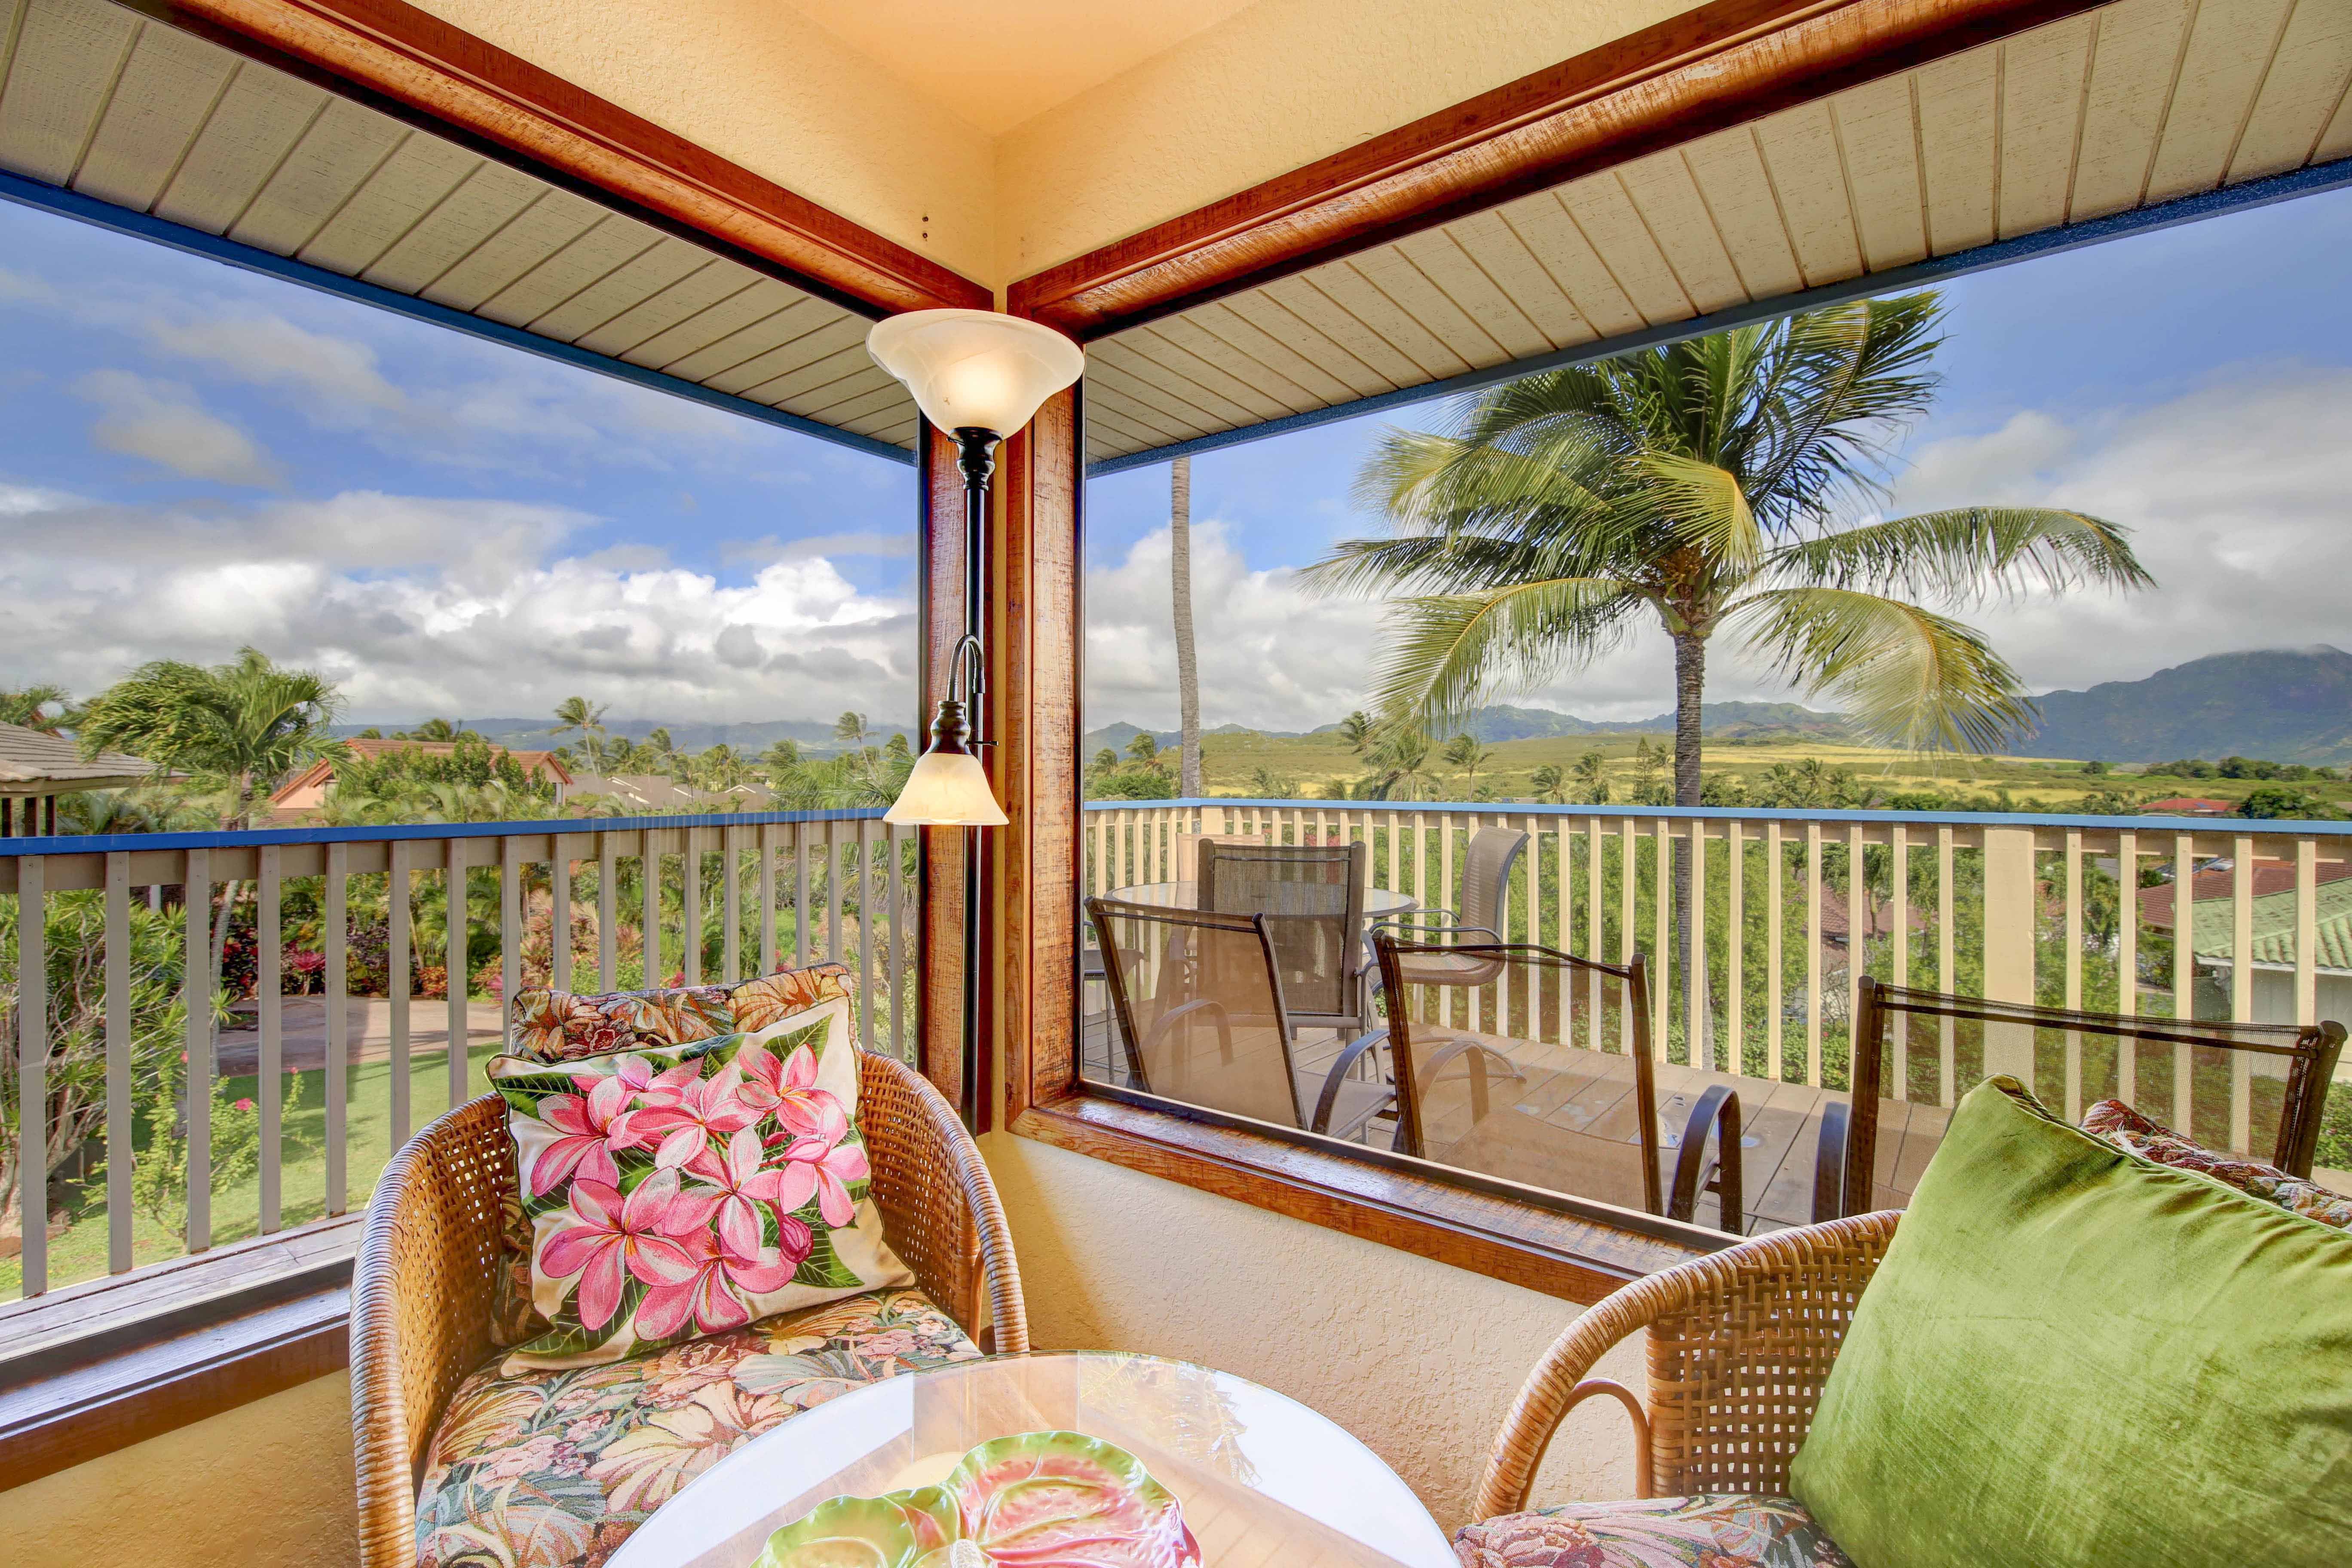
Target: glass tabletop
{"x": 1262, "y": 1478}
{"x": 1187, "y": 896}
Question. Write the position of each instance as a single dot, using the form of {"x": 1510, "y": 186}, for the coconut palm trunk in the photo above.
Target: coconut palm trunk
{"x": 1188, "y": 672}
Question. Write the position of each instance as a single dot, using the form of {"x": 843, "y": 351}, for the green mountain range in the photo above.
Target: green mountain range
{"x": 2290, "y": 705}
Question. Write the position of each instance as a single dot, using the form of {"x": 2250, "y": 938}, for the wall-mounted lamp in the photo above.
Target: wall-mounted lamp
{"x": 982, "y": 376}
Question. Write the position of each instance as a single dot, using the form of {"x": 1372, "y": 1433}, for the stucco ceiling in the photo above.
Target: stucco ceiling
{"x": 998, "y": 64}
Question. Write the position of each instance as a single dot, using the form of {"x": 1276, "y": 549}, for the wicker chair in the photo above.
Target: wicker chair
{"x": 423, "y": 1287}
{"x": 1740, "y": 1343}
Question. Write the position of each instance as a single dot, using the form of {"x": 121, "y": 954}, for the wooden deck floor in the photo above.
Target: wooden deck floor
{"x": 1567, "y": 1123}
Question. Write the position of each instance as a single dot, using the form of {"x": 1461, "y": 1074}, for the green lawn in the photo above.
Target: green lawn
{"x": 81, "y": 1253}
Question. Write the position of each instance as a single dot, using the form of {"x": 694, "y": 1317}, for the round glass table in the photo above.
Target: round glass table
{"x": 1378, "y": 901}
{"x": 1262, "y": 1478}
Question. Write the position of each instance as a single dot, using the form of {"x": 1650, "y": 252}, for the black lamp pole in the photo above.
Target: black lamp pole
{"x": 976, "y": 456}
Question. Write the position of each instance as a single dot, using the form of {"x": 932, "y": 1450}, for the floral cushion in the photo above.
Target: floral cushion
{"x": 1725, "y": 1531}
{"x": 682, "y": 1190}
{"x": 558, "y": 1025}
{"x": 2113, "y": 1122}
{"x": 549, "y": 1470}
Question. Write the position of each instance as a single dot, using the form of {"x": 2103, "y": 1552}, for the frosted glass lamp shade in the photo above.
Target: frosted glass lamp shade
{"x": 975, "y": 369}
{"x": 947, "y": 789}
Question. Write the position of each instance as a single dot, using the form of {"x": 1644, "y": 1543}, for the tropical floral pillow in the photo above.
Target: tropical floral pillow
{"x": 2113, "y": 1122}
{"x": 681, "y": 1190}
{"x": 559, "y": 1026}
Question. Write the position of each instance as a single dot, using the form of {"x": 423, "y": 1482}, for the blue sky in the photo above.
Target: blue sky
{"x": 193, "y": 457}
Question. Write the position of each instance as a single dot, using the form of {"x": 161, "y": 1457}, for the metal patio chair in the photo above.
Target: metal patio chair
{"x": 1312, "y": 897}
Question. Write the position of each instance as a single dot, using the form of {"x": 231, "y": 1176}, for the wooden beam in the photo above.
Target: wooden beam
{"x": 940, "y": 852}
{"x": 415, "y": 58}
{"x": 1722, "y": 64}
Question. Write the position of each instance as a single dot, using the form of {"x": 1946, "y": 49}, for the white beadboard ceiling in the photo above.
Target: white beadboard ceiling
{"x": 2125, "y": 107}
{"x": 129, "y": 110}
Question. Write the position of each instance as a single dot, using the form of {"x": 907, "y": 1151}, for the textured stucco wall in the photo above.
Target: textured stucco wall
{"x": 1418, "y": 1359}
{"x": 761, "y": 84}
{"x": 265, "y": 1486}
{"x": 1278, "y": 85}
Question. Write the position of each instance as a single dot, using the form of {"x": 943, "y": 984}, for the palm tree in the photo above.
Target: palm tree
{"x": 432, "y": 729}
{"x": 239, "y": 727}
{"x": 1357, "y": 731}
{"x": 29, "y": 707}
{"x": 1465, "y": 753}
{"x": 578, "y": 715}
{"x": 1712, "y": 483}
{"x": 1590, "y": 775}
{"x": 1400, "y": 767}
{"x": 1188, "y": 670}
{"x": 1549, "y": 783}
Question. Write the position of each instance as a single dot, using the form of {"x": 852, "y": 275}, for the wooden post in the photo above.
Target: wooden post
{"x": 2008, "y": 920}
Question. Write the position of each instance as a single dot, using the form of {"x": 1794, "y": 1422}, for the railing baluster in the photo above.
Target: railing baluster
{"x": 1898, "y": 850}
{"x": 690, "y": 903}
{"x": 268, "y": 998}
{"x": 339, "y": 1026}
{"x": 510, "y": 924}
{"x": 196, "y": 979}
{"x": 649, "y": 938}
{"x": 608, "y": 912}
{"x": 1857, "y": 934}
{"x": 2128, "y": 962}
{"x": 1813, "y": 954}
{"x": 457, "y": 980}
{"x": 2306, "y": 931}
{"x": 559, "y": 917}
{"x": 1776, "y": 980}
{"x": 1696, "y": 1049}
{"x": 2242, "y": 987}
{"x": 1662, "y": 959}
{"x": 2184, "y": 970}
{"x": 1946, "y": 948}
{"x": 2073, "y": 971}
{"x": 121, "y": 1159}
{"x": 1735, "y": 956}
{"x": 862, "y": 856}
{"x": 766, "y": 893}
{"x": 730, "y": 883}
{"x": 804, "y": 946}
{"x": 833, "y": 947}
{"x": 33, "y": 1068}
{"x": 396, "y": 938}
{"x": 1628, "y": 874}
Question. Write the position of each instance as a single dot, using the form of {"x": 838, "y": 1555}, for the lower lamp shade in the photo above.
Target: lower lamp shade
{"x": 947, "y": 789}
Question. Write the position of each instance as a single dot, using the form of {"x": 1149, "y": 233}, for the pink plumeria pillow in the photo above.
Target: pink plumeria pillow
{"x": 677, "y": 1191}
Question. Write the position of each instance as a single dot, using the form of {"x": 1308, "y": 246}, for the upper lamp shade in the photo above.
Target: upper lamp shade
{"x": 947, "y": 789}
{"x": 975, "y": 369}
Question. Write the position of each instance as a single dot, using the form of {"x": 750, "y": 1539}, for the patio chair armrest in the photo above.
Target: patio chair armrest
{"x": 1758, "y": 1288}
{"x": 423, "y": 1295}
{"x": 1828, "y": 1161}
{"x": 939, "y": 1203}
{"x": 1717, "y": 1111}
{"x": 1321, "y": 1120}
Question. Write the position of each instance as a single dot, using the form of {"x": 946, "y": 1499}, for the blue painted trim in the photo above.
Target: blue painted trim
{"x": 2242, "y": 825}
{"x": 1980, "y": 258}
{"x": 196, "y": 242}
{"x": 104, "y": 843}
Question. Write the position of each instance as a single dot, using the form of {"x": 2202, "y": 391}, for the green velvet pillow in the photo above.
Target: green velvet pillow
{"x": 2075, "y": 1358}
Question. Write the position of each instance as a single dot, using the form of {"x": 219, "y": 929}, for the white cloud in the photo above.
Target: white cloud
{"x": 2235, "y": 494}
{"x": 417, "y": 605}
{"x": 163, "y": 422}
{"x": 273, "y": 352}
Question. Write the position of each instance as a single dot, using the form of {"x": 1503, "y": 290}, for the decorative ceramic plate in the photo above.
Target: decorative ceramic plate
{"x": 1042, "y": 1499}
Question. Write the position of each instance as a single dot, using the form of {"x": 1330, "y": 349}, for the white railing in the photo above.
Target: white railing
{"x": 135, "y": 1075}
{"x": 2016, "y": 908}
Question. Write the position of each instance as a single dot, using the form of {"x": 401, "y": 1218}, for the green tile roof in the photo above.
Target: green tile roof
{"x": 2273, "y": 925}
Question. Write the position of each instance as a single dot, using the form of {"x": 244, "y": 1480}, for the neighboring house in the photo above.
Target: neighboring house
{"x": 303, "y": 793}
{"x": 658, "y": 794}
{"x": 2271, "y": 946}
{"x": 35, "y": 767}
{"x": 2185, "y": 805}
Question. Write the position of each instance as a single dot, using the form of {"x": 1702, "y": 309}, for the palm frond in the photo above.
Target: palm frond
{"x": 1446, "y": 650}
{"x": 1703, "y": 506}
{"x": 1969, "y": 553}
{"x": 1907, "y": 676}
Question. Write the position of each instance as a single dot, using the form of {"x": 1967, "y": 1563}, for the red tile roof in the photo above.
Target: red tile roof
{"x": 2270, "y": 876}
{"x": 2186, "y": 805}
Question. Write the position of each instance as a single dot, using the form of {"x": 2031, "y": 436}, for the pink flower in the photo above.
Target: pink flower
{"x": 696, "y": 1115}
{"x": 241, "y": 1104}
{"x": 594, "y": 1126}
{"x": 821, "y": 1164}
{"x": 743, "y": 1186}
{"x": 708, "y": 1293}
{"x": 787, "y": 1088}
{"x": 644, "y": 1235}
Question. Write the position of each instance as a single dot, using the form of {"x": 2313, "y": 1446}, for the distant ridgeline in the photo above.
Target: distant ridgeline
{"x": 814, "y": 735}
{"x": 2292, "y": 705}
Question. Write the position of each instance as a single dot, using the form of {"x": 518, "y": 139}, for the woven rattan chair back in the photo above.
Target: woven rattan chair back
{"x": 1198, "y": 1002}
{"x": 2256, "y": 1089}
{"x": 424, "y": 1285}
{"x": 1312, "y": 897}
{"x": 1740, "y": 1344}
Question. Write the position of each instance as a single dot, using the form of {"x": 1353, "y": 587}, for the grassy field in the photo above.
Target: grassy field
{"x": 80, "y": 1252}
{"x": 1317, "y": 766}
